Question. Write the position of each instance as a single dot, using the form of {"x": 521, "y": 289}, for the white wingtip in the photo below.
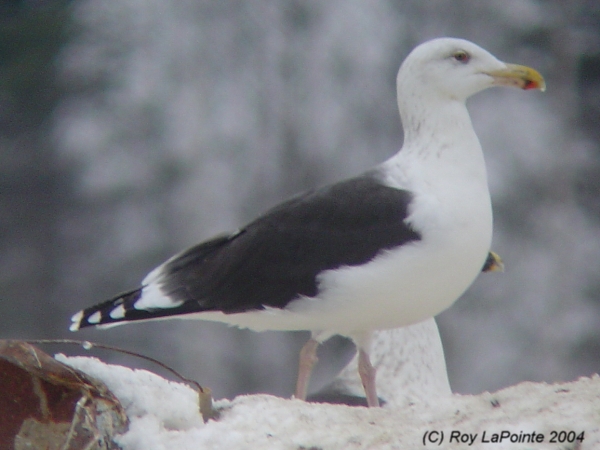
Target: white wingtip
{"x": 95, "y": 318}
{"x": 76, "y": 319}
{"x": 118, "y": 313}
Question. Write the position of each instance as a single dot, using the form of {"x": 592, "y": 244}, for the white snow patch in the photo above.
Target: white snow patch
{"x": 144, "y": 394}
{"x": 164, "y": 415}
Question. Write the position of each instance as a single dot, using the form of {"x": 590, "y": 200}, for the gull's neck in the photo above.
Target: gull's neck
{"x": 445, "y": 122}
{"x": 439, "y": 130}
{"x": 439, "y": 140}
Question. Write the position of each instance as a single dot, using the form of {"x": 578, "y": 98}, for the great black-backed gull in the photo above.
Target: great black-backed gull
{"x": 388, "y": 248}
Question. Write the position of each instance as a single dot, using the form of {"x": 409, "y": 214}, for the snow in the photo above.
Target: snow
{"x": 164, "y": 415}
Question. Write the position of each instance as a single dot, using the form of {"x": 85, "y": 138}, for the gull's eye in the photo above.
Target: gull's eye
{"x": 461, "y": 56}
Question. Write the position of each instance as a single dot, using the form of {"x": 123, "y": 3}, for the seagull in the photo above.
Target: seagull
{"x": 391, "y": 247}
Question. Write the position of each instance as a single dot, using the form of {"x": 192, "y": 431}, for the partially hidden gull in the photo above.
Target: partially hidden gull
{"x": 391, "y": 247}
{"x": 410, "y": 364}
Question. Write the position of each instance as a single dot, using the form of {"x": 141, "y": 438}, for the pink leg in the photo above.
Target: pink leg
{"x": 308, "y": 358}
{"x": 367, "y": 376}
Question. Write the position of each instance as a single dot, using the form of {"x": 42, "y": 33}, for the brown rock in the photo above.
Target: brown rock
{"x": 45, "y": 404}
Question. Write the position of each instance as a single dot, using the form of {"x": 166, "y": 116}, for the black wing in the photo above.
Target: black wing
{"x": 277, "y": 257}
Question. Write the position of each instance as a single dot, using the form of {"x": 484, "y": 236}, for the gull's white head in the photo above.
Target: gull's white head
{"x": 455, "y": 69}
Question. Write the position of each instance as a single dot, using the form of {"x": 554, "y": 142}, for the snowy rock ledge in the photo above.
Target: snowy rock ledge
{"x": 164, "y": 415}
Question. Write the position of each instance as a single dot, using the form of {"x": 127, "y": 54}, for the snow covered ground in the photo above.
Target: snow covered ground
{"x": 164, "y": 415}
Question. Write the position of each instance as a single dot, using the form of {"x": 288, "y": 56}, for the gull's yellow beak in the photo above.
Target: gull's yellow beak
{"x": 518, "y": 76}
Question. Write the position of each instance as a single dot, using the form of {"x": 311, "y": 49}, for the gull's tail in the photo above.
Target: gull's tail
{"x": 109, "y": 313}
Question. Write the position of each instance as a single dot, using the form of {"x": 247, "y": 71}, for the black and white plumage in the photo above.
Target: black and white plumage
{"x": 277, "y": 258}
{"x": 389, "y": 248}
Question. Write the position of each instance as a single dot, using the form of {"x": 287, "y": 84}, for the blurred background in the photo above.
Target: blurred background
{"x": 132, "y": 129}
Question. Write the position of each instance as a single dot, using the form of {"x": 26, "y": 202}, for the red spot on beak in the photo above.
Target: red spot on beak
{"x": 529, "y": 84}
